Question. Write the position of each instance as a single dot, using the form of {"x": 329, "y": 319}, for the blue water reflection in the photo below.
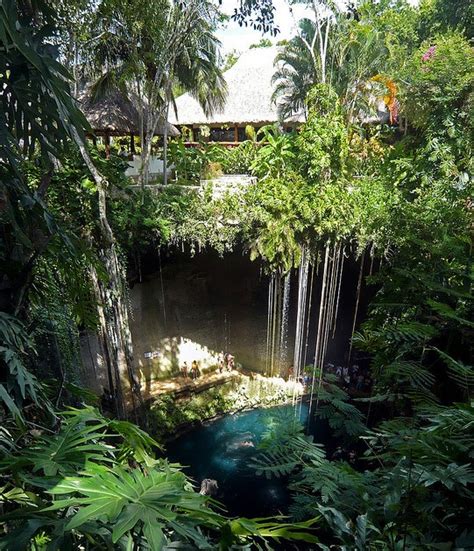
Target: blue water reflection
{"x": 224, "y": 449}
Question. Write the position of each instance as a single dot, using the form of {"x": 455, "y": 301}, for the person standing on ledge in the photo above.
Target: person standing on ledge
{"x": 194, "y": 370}
{"x": 291, "y": 372}
{"x": 184, "y": 370}
{"x": 221, "y": 363}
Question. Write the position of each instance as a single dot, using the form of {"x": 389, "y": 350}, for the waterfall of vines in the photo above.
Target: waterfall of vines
{"x": 330, "y": 283}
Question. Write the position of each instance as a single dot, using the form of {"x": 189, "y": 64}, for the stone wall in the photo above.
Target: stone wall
{"x": 198, "y": 306}
{"x": 195, "y": 309}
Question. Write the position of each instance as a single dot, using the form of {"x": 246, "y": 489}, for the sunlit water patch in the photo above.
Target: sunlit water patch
{"x": 224, "y": 450}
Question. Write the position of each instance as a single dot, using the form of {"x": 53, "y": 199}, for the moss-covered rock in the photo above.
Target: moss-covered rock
{"x": 169, "y": 415}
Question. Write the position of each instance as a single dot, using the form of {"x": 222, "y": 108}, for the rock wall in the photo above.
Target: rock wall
{"x": 197, "y": 308}
{"x": 199, "y": 305}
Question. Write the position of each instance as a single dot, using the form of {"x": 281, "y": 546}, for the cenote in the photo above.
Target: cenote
{"x": 224, "y": 450}
{"x": 188, "y": 307}
{"x": 236, "y": 284}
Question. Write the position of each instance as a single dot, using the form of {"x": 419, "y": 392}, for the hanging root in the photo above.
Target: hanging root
{"x": 276, "y": 301}
{"x": 283, "y": 355}
{"x": 356, "y": 309}
{"x": 308, "y": 318}
{"x": 341, "y": 259}
{"x": 302, "y": 292}
{"x": 372, "y": 258}
{"x": 269, "y": 325}
{"x": 162, "y": 289}
{"x": 320, "y": 332}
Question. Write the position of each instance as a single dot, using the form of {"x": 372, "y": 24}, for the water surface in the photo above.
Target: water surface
{"x": 224, "y": 450}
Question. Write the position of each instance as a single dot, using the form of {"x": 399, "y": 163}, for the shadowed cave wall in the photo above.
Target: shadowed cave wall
{"x": 192, "y": 307}
{"x": 197, "y": 306}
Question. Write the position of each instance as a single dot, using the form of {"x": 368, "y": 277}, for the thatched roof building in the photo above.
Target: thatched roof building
{"x": 249, "y": 101}
{"x": 116, "y": 115}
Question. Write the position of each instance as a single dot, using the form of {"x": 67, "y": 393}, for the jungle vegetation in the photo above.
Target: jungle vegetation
{"x": 398, "y": 191}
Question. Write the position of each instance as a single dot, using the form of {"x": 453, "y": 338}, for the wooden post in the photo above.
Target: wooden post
{"x": 132, "y": 144}
{"x": 236, "y": 133}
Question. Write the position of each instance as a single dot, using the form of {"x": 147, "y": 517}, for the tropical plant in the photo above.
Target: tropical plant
{"x": 76, "y": 479}
{"x": 439, "y": 90}
{"x": 276, "y": 154}
{"x": 99, "y": 484}
{"x": 150, "y": 49}
{"x": 188, "y": 163}
{"x": 295, "y": 72}
{"x": 239, "y": 159}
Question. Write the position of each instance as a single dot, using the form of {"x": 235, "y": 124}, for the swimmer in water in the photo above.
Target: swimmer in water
{"x": 247, "y": 443}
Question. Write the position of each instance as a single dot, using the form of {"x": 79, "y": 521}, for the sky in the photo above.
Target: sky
{"x": 238, "y": 38}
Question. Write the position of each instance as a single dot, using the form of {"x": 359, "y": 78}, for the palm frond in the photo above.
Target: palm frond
{"x": 462, "y": 375}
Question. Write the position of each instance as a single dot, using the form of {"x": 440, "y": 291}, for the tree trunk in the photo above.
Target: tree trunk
{"x": 113, "y": 312}
{"x": 165, "y": 149}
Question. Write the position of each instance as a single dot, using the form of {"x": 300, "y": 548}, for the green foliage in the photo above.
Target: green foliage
{"x": 38, "y": 119}
{"x": 285, "y": 447}
{"x": 18, "y": 386}
{"x": 193, "y": 163}
{"x": 142, "y": 224}
{"x": 406, "y": 192}
{"x": 275, "y": 156}
{"x": 167, "y": 415}
{"x": 295, "y": 72}
{"x": 263, "y": 43}
{"x": 63, "y": 453}
{"x": 342, "y": 51}
{"x": 323, "y": 141}
{"x": 408, "y": 196}
{"x": 439, "y": 16}
{"x": 136, "y": 504}
{"x": 188, "y": 162}
{"x": 239, "y": 159}
{"x": 35, "y": 87}
{"x": 277, "y": 223}
{"x": 344, "y": 418}
{"x": 156, "y": 46}
{"x": 91, "y": 491}
{"x": 284, "y": 213}
{"x": 230, "y": 60}
{"x": 439, "y": 90}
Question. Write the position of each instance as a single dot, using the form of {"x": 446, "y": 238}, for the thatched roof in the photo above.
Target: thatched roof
{"x": 116, "y": 114}
{"x": 250, "y": 89}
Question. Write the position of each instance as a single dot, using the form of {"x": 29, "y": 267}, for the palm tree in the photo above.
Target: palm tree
{"x": 352, "y": 53}
{"x": 296, "y": 72}
{"x": 147, "y": 48}
{"x": 304, "y": 60}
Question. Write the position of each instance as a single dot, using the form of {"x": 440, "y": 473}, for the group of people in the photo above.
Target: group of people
{"x": 195, "y": 372}
{"x": 303, "y": 378}
{"x": 226, "y": 362}
{"x": 353, "y": 377}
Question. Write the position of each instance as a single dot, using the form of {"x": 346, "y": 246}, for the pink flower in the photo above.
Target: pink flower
{"x": 429, "y": 53}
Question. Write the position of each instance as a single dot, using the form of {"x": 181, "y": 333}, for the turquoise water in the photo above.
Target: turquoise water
{"x": 223, "y": 450}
